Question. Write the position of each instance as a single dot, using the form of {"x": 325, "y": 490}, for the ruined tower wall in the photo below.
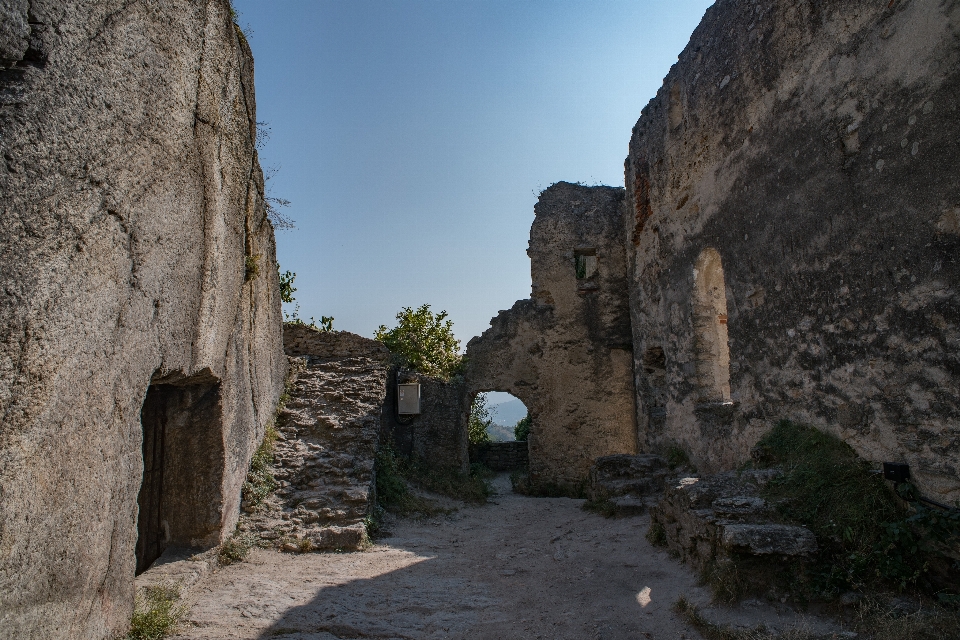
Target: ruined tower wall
{"x": 801, "y": 160}
{"x": 136, "y": 254}
{"x": 566, "y": 351}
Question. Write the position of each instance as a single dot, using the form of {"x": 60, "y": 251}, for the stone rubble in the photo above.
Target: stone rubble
{"x": 628, "y": 481}
{"x": 722, "y": 517}
{"x": 324, "y": 454}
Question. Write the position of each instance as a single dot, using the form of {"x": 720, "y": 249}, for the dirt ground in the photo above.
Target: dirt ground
{"x": 516, "y": 567}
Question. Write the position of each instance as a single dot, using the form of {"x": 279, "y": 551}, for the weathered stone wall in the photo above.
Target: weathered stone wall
{"x": 566, "y": 353}
{"x": 792, "y": 194}
{"x": 501, "y": 456}
{"x": 326, "y": 445}
{"x": 439, "y": 434}
{"x": 132, "y": 197}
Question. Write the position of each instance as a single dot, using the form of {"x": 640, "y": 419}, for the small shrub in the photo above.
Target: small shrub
{"x": 393, "y": 495}
{"x": 235, "y": 548}
{"x": 260, "y": 481}
{"x": 286, "y": 285}
{"x": 677, "y": 457}
{"x": 156, "y": 613}
{"x": 251, "y": 267}
{"x": 867, "y": 536}
{"x": 480, "y": 421}
{"x": 521, "y": 431}
{"x": 470, "y": 487}
{"x": 657, "y": 535}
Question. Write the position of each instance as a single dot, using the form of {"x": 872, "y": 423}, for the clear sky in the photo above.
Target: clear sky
{"x": 412, "y": 137}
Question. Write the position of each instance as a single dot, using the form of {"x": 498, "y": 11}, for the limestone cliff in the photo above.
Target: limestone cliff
{"x": 793, "y": 216}
{"x": 136, "y": 255}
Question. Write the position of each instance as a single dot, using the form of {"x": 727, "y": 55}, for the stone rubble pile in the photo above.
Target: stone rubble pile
{"x": 722, "y": 517}
{"x": 328, "y": 434}
{"x": 628, "y": 481}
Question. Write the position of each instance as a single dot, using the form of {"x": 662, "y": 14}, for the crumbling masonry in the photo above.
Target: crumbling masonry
{"x": 790, "y": 235}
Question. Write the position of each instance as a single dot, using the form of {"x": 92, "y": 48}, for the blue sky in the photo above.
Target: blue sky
{"x": 412, "y": 137}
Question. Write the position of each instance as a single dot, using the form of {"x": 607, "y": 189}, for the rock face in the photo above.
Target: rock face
{"x": 566, "y": 352}
{"x": 324, "y": 457}
{"x": 140, "y": 347}
{"x": 721, "y": 518}
{"x": 793, "y": 219}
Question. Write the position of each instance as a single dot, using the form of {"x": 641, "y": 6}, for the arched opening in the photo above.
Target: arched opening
{"x": 711, "y": 349}
{"x": 181, "y": 495}
{"x": 496, "y": 420}
{"x": 507, "y": 412}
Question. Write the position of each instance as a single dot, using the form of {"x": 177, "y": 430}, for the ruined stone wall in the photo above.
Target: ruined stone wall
{"x": 792, "y": 196}
{"x": 501, "y": 456}
{"x": 132, "y": 200}
{"x": 439, "y": 434}
{"x": 565, "y": 353}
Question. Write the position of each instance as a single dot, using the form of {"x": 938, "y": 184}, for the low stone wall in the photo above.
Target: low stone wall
{"x": 501, "y": 456}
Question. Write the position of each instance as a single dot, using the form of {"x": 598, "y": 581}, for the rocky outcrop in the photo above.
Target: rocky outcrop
{"x": 721, "y": 519}
{"x": 139, "y": 304}
{"x": 793, "y": 234}
{"x": 566, "y": 352}
{"x": 328, "y": 434}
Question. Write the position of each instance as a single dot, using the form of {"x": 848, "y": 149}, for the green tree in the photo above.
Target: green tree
{"x": 522, "y": 429}
{"x": 480, "y": 421}
{"x": 424, "y": 341}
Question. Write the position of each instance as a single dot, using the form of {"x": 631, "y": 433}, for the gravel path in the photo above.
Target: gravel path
{"x": 515, "y": 568}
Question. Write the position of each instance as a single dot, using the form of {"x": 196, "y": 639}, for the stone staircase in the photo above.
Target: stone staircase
{"x": 328, "y": 434}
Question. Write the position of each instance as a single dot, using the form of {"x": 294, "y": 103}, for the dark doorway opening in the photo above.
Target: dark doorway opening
{"x": 181, "y": 496}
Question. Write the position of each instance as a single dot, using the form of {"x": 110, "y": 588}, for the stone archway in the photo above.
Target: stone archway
{"x": 567, "y": 352}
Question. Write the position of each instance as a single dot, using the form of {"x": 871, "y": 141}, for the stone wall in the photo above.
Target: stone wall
{"x": 501, "y": 456}
{"x": 137, "y": 255}
{"x": 439, "y": 434}
{"x": 326, "y": 444}
{"x": 566, "y": 352}
{"x": 794, "y": 226}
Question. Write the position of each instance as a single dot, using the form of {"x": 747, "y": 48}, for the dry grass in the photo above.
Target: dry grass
{"x": 156, "y": 613}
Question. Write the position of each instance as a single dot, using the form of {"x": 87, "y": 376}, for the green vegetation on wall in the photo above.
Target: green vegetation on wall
{"x": 521, "y": 431}
{"x": 480, "y": 421}
{"x": 869, "y": 535}
{"x": 423, "y": 341}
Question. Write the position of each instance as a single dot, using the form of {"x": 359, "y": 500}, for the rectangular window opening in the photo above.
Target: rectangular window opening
{"x": 585, "y": 263}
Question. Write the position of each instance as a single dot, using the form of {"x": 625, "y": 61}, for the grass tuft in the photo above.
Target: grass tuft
{"x": 260, "y": 482}
{"x": 657, "y": 535}
{"x": 235, "y": 548}
{"x": 156, "y": 613}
